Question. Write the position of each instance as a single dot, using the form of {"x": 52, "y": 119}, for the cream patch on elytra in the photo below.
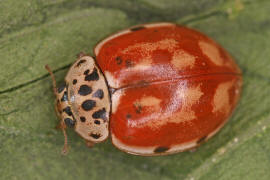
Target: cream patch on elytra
{"x": 182, "y": 60}
{"x": 221, "y": 101}
{"x": 145, "y": 50}
{"x": 188, "y": 97}
{"x": 112, "y": 81}
{"x": 212, "y": 52}
{"x": 116, "y": 98}
{"x": 150, "y": 103}
{"x": 180, "y": 111}
{"x": 148, "y": 47}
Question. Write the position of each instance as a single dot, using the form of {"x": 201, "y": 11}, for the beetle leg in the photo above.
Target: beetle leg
{"x": 53, "y": 79}
{"x": 61, "y": 125}
{"x": 65, "y": 148}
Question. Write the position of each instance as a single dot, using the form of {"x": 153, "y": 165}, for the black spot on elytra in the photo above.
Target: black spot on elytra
{"x": 61, "y": 88}
{"x": 129, "y": 63}
{"x": 82, "y": 119}
{"x": 161, "y": 149}
{"x": 138, "y": 108}
{"x": 88, "y": 105}
{"x": 96, "y": 136}
{"x": 137, "y": 28}
{"x": 97, "y": 122}
{"x": 69, "y": 122}
{"x": 74, "y": 81}
{"x": 201, "y": 140}
{"x": 84, "y": 90}
{"x": 64, "y": 97}
{"x": 128, "y": 116}
{"x": 68, "y": 111}
{"x": 80, "y": 62}
{"x": 100, "y": 114}
{"x": 99, "y": 94}
{"x": 118, "y": 60}
{"x": 91, "y": 77}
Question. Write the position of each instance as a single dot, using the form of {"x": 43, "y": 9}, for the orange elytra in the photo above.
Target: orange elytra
{"x": 155, "y": 89}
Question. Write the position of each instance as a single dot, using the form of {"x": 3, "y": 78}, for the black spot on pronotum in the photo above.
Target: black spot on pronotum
{"x": 161, "y": 149}
{"x": 84, "y": 90}
{"x": 69, "y": 122}
{"x": 82, "y": 119}
{"x": 128, "y": 116}
{"x": 88, "y": 105}
{"x": 100, "y": 114}
{"x": 68, "y": 111}
{"x": 99, "y": 94}
{"x": 137, "y": 28}
{"x": 201, "y": 140}
{"x": 61, "y": 88}
{"x": 96, "y": 136}
{"x": 86, "y": 72}
{"x": 64, "y": 97}
{"x": 91, "y": 77}
{"x": 80, "y": 62}
{"x": 118, "y": 60}
{"x": 97, "y": 122}
{"x": 74, "y": 81}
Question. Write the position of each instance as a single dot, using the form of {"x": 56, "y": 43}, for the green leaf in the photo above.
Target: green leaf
{"x": 34, "y": 33}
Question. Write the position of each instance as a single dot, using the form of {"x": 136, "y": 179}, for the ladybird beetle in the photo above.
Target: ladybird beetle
{"x": 155, "y": 89}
